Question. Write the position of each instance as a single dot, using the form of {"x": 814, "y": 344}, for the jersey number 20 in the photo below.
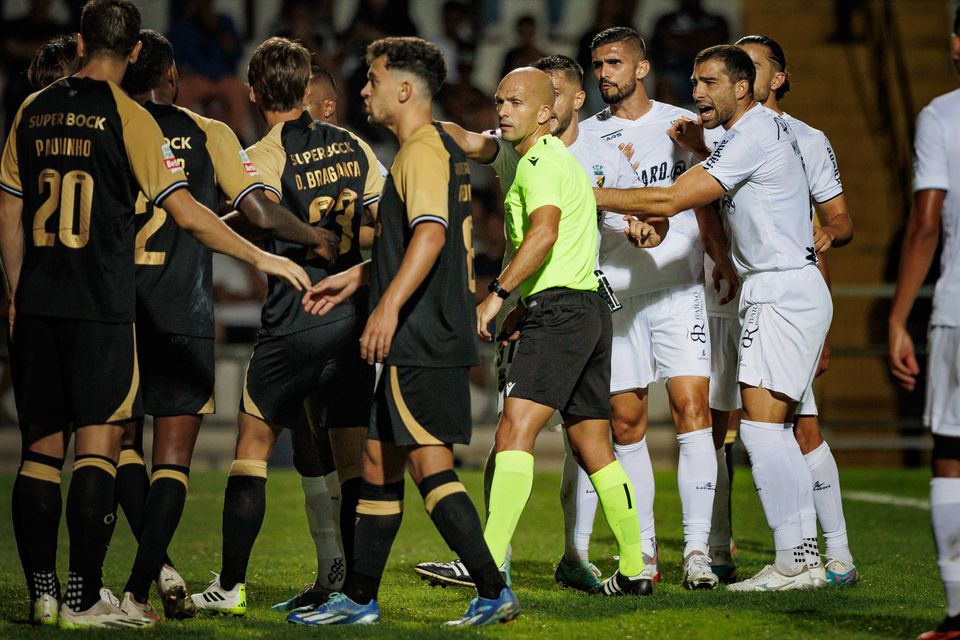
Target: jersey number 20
{"x": 72, "y": 194}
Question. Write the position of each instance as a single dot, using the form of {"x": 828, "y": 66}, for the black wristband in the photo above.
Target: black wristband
{"x": 494, "y": 287}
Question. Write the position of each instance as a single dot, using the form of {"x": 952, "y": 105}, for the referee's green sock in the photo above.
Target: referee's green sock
{"x": 509, "y": 492}
{"x": 619, "y": 508}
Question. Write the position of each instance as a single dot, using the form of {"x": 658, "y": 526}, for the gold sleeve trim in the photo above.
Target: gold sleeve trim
{"x": 379, "y": 507}
{"x": 125, "y": 410}
{"x": 249, "y": 467}
{"x": 373, "y": 186}
{"x": 421, "y": 173}
{"x": 10, "y": 163}
{"x": 420, "y": 435}
{"x": 99, "y": 463}
{"x": 441, "y": 492}
{"x": 129, "y": 456}
{"x": 227, "y": 157}
{"x": 40, "y": 471}
{"x": 171, "y": 474}
{"x": 269, "y": 158}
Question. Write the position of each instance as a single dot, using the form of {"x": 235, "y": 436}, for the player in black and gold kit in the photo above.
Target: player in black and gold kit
{"x": 325, "y": 175}
{"x": 175, "y": 327}
{"x": 73, "y": 163}
{"x": 420, "y": 331}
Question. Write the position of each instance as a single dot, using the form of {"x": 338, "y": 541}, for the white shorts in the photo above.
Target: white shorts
{"x": 724, "y": 355}
{"x": 942, "y": 412}
{"x": 660, "y": 335}
{"x": 786, "y": 316}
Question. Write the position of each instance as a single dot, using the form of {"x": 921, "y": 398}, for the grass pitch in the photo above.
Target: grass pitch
{"x": 898, "y": 597}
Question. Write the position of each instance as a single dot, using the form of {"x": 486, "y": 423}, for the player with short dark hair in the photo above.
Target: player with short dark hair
{"x": 785, "y": 306}
{"x": 325, "y": 175}
{"x": 419, "y": 331}
{"x": 54, "y": 60}
{"x": 175, "y": 329}
{"x": 321, "y": 102}
{"x": 935, "y": 212}
{"x": 68, "y": 174}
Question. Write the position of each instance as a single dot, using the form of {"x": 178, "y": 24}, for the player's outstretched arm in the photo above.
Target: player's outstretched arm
{"x": 919, "y": 244}
{"x": 694, "y": 188}
{"x": 476, "y": 146}
{"x": 263, "y": 212}
{"x": 537, "y": 243}
{"x": 837, "y": 228}
{"x": 421, "y": 254}
{"x": 211, "y": 231}
{"x": 331, "y": 291}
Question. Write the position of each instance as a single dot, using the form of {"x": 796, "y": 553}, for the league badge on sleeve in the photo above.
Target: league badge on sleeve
{"x": 169, "y": 160}
{"x": 247, "y": 165}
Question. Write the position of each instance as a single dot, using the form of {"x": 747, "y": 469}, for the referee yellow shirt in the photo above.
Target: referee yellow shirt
{"x": 548, "y": 174}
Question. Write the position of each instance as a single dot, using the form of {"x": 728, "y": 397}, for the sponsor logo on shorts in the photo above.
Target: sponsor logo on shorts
{"x": 698, "y": 333}
{"x": 510, "y": 386}
{"x": 747, "y": 341}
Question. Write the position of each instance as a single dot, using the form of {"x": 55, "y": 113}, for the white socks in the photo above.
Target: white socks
{"x": 323, "y": 515}
{"x": 579, "y": 501}
{"x": 778, "y": 489}
{"x": 635, "y": 460}
{"x": 696, "y": 480}
{"x": 826, "y": 497}
{"x": 808, "y": 512}
{"x": 720, "y": 533}
{"x": 945, "y": 514}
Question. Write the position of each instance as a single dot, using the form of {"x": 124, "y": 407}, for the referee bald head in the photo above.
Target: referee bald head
{"x": 524, "y": 102}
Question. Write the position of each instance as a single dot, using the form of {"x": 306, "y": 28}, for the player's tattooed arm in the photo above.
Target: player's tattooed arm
{"x": 11, "y": 244}
{"x": 716, "y": 245}
{"x": 688, "y": 134}
{"x": 476, "y": 146}
{"x": 262, "y": 210}
{"x": 837, "y": 228}
{"x": 694, "y": 188}
{"x": 538, "y": 240}
{"x": 919, "y": 245}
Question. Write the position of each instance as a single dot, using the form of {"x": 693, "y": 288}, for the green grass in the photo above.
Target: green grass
{"x": 899, "y": 596}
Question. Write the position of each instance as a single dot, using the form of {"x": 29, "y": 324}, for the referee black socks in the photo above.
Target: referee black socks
{"x": 90, "y": 518}
{"x": 379, "y": 514}
{"x": 244, "y": 504}
{"x": 456, "y": 518}
{"x": 164, "y": 506}
{"x": 37, "y": 504}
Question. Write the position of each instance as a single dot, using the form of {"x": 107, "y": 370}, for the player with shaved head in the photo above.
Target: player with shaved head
{"x": 562, "y": 360}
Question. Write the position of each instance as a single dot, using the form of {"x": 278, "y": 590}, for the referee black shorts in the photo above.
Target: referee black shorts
{"x": 416, "y": 406}
{"x": 563, "y": 355}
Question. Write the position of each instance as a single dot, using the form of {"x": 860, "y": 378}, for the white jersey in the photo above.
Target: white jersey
{"x": 711, "y": 138}
{"x": 819, "y": 161}
{"x": 767, "y": 200}
{"x": 679, "y": 259}
{"x": 936, "y": 166}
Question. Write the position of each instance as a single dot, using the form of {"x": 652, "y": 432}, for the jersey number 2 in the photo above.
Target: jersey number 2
{"x": 140, "y": 253}
{"x": 64, "y": 194}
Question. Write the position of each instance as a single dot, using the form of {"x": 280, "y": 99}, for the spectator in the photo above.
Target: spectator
{"x": 310, "y": 22}
{"x": 677, "y": 38}
{"x": 208, "y": 47}
{"x": 459, "y": 36}
{"x": 526, "y": 50}
{"x": 20, "y": 38}
{"x": 465, "y": 102}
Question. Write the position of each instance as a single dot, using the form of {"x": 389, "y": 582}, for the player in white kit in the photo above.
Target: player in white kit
{"x": 785, "y": 307}
{"x": 936, "y": 205}
{"x": 606, "y": 166}
{"x": 809, "y": 451}
{"x": 661, "y": 332}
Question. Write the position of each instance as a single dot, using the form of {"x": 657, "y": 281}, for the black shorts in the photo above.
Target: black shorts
{"x": 563, "y": 355}
{"x": 77, "y": 372}
{"x": 421, "y": 405}
{"x": 323, "y": 363}
{"x": 176, "y": 373}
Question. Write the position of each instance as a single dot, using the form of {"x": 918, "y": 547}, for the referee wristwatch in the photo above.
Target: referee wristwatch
{"x": 494, "y": 287}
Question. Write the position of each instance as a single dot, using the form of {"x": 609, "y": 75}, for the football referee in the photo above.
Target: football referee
{"x": 562, "y": 362}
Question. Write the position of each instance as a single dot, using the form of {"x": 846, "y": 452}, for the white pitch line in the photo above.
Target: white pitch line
{"x": 887, "y": 499}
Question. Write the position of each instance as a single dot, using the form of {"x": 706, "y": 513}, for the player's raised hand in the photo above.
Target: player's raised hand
{"x": 689, "y": 135}
{"x": 724, "y": 272}
{"x": 627, "y": 150}
{"x": 283, "y": 268}
{"x": 378, "y": 334}
{"x": 329, "y": 292}
{"x": 902, "y": 357}
{"x": 486, "y": 312}
{"x": 327, "y": 246}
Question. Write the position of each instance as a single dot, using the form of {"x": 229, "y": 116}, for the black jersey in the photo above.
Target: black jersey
{"x": 78, "y": 154}
{"x": 174, "y": 270}
{"x": 324, "y": 175}
{"x": 429, "y": 181}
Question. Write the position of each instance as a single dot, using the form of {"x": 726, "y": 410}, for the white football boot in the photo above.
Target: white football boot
{"x": 770, "y": 579}
{"x": 697, "y": 573}
{"x": 105, "y": 614}
{"x": 215, "y": 599}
